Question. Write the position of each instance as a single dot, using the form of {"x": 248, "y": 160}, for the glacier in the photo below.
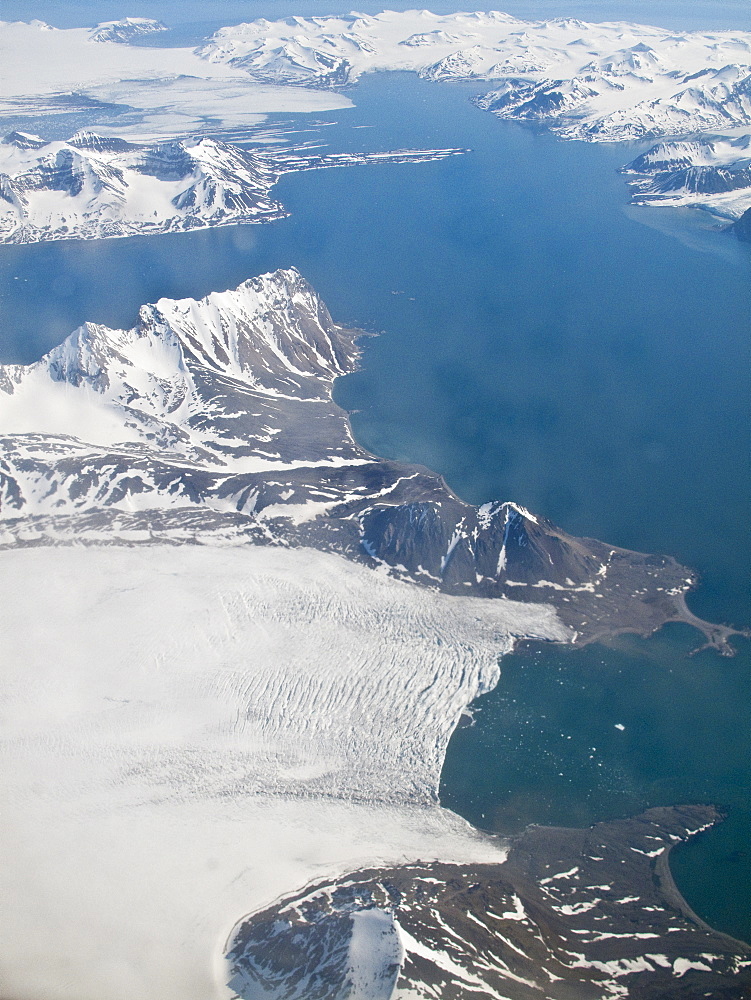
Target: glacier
{"x": 150, "y": 92}
{"x": 190, "y": 731}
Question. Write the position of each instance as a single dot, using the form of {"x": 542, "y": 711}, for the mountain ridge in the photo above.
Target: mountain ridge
{"x": 215, "y": 419}
{"x": 595, "y": 81}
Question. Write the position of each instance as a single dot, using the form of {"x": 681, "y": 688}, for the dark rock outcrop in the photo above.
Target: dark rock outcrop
{"x": 571, "y": 915}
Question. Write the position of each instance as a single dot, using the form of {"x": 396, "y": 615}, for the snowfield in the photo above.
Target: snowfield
{"x": 162, "y": 92}
{"x": 188, "y": 733}
{"x": 599, "y": 82}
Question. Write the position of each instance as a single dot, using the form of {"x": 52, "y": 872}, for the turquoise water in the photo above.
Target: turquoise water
{"x": 539, "y": 341}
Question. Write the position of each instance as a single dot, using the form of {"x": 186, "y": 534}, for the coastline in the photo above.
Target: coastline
{"x": 673, "y": 894}
{"x": 540, "y": 924}
{"x": 272, "y": 526}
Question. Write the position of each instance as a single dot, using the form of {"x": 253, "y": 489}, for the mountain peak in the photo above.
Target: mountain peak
{"x": 24, "y": 140}
{"x": 125, "y": 30}
{"x": 269, "y": 340}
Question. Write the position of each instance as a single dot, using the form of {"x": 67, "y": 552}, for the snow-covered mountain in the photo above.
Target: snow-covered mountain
{"x": 288, "y": 707}
{"x": 92, "y": 187}
{"x": 602, "y": 105}
{"x": 605, "y": 82}
{"x": 608, "y": 81}
{"x": 216, "y": 418}
{"x": 125, "y": 30}
{"x": 714, "y": 173}
{"x": 241, "y": 378}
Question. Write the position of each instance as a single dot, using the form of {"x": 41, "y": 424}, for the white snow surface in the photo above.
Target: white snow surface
{"x": 168, "y": 91}
{"x": 375, "y": 948}
{"x": 188, "y": 733}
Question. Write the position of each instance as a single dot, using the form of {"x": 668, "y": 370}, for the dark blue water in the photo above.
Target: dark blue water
{"x": 539, "y": 341}
{"x": 547, "y": 747}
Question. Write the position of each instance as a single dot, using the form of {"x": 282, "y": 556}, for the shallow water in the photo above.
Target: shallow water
{"x": 540, "y": 341}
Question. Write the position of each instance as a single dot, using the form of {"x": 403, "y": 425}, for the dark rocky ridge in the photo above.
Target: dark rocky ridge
{"x": 571, "y": 915}
{"x": 243, "y": 379}
{"x": 742, "y": 227}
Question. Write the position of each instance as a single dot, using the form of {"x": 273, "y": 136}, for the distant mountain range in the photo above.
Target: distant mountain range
{"x": 712, "y": 172}
{"x": 609, "y": 81}
{"x": 605, "y": 82}
{"x": 125, "y": 30}
{"x": 597, "y": 82}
